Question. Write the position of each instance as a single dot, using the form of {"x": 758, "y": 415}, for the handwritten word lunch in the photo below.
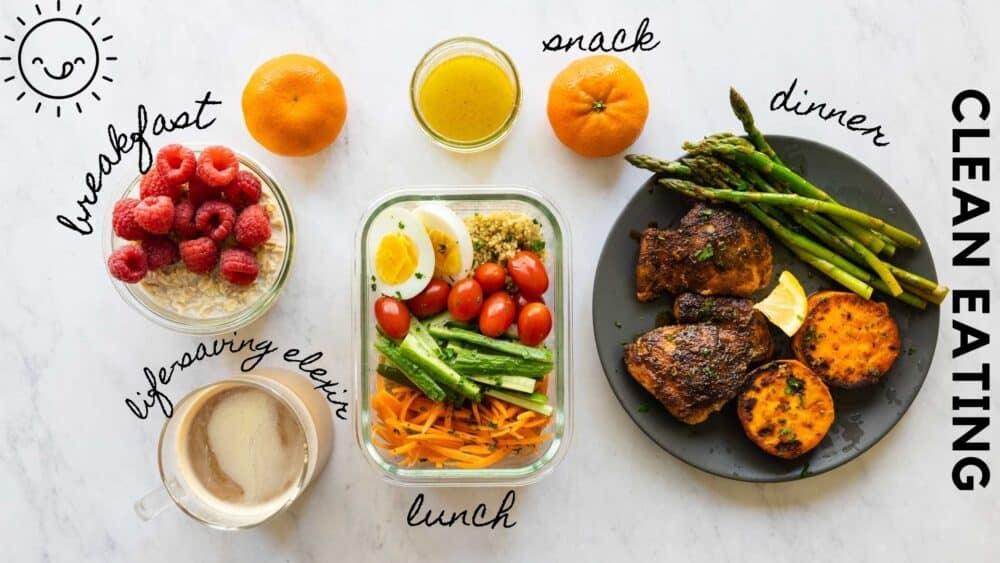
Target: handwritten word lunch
{"x": 122, "y": 144}
{"x": 257, "y": 350}
{"x": 479, "y": 518}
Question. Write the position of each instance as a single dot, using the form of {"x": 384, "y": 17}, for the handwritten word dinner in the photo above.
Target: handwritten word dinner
{"x": 122, "y": 144}
{"x": 784, "y": 100}
{"x": 256, "y": 351}
{"x": 619, "y": 42}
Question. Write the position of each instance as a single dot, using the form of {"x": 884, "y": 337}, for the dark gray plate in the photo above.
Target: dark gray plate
{"x": 719, "y": 445}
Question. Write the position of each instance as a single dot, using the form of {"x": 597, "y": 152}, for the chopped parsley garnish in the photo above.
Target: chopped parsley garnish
{"x": 706, "y": 308}
{"x": 401, "y": 225}
{"x": 418, "y": 275}
{"x": 794, "y": 385}
{"x": 706, "y": 212}
{"x": 643, "y": 408}
{"x": 536, "y": 246}
{"x": 618, "y": 324}
{"x": 705, "y": 253}
{"x": 373, "y": 286}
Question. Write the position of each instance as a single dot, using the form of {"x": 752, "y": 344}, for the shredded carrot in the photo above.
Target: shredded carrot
{"x": 420, "y": 431}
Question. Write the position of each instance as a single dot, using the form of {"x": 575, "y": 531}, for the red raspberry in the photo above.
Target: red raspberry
{"x": 217, "y": 166}
{"x": 253, "y": 227}
{"x": 245, "y": 189}
{"x": 128, "y": 264}
{"x": 155, "y": 214}
{"x": 184, "y": 226}
{"x": 199, "y": 192}
{"x": 199, "y": 254}
{"x": 175, "y": 163}
{"x": 215, "y": 218}
{"x": 160, "y": 251}
{"x": 153, "y": 184}
{"x": 123, "y": 220}
{"x": 238, "y": 266}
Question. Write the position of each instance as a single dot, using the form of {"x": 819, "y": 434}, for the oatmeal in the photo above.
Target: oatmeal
{"x": 204, "y": 296}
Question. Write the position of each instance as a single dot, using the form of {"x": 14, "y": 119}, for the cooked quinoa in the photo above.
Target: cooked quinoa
{"x": 497, "y": 236}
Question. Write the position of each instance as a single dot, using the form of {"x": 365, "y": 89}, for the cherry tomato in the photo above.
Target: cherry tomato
{"x": 534, "y": 324}
{"x": 431, "y": 301}
{"x": 521, "y": 301}
{"x": 529, "y": 273}
{"x": 392, "y": 316}
{"x": 465, "y": 299}
{"x": 491, "y": 276}
{"x": 497, "y": 315}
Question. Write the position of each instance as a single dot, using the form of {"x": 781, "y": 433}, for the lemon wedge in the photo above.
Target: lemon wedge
{"x": 787, "y": 305}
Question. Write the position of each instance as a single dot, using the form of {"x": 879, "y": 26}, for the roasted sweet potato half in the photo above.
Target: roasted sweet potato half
{"x": 785, "y": 409}
{"x": 846, "y": 339}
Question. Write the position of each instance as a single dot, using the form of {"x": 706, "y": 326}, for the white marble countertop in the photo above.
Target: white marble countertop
{"x": 73, "y": 459}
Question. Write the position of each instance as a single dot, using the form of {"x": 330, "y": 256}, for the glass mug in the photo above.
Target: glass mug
{"x": 237, "y": 452}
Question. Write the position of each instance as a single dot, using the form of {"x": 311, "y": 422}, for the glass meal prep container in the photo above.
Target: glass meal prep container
{"x": 465, "y": 201}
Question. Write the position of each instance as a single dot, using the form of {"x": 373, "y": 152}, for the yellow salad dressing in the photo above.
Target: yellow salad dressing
{"x": 466, "y": 98}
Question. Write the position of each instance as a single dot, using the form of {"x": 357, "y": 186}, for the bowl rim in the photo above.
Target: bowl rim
{"x": 478, "y": 144}
{"x": 238, "y": 319}
{"x": 488, "y": 477}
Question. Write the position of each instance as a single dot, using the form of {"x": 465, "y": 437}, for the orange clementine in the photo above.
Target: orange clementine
{"x": 597, "y": 106}
{"x": 294, "y": 105}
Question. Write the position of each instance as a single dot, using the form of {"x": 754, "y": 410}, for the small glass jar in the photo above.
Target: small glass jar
{"x": 142, "y": 301}
{"x": 449, "y": 49}
{"x": 466, "y": 201}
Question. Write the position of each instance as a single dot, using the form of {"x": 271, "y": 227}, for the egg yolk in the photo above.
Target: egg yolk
{"x": 447, "y": 258}
{"x": 395, "y": 258}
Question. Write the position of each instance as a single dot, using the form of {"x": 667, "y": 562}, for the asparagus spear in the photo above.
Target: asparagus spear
{"x": 838, "y": 238}
{"x": 801, "y": 186}
{"x": 833, "y": 272}
{"x": 742, "y": 111}
{"x": 474, "y": 362}
{"x": 543, "y": 355}
{"x": 805, "y": 203}
{"x": 669, "y": 168}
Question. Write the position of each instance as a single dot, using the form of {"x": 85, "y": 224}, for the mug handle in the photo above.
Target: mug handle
{"x": 156, "y": 501}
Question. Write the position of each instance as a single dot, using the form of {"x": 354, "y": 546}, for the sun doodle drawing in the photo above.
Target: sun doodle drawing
{"x": 56, "y": 58}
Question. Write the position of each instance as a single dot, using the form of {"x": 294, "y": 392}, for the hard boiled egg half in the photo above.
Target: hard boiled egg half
{"x": 450, "y": 240}
{"x": 400, "y": 255}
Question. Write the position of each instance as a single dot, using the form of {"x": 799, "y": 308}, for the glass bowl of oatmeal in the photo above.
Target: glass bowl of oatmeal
{"x": 180, "y": 300}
